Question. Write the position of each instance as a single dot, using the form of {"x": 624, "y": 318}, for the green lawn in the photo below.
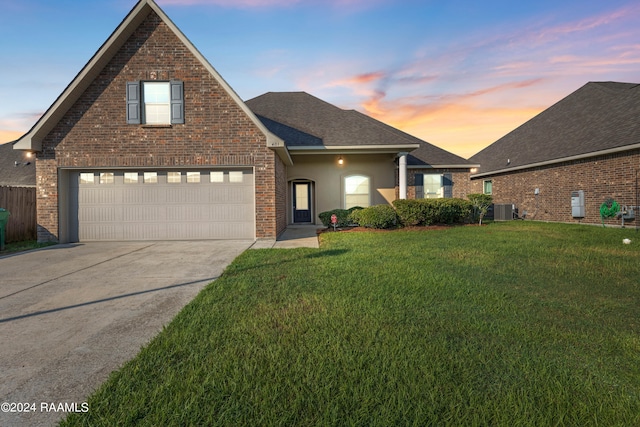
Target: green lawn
{"x": 510, "y": 324}
{"x": 22, "y": 246}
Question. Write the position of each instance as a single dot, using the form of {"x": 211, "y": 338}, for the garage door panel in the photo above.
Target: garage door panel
{"x": 130, "y": 209}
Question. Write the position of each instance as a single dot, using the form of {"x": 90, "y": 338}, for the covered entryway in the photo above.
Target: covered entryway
{"x": 302, "y": 202}
{"x": 180, "y": 204}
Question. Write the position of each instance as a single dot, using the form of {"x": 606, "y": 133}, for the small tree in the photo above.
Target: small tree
{"x": 481, "y": 203}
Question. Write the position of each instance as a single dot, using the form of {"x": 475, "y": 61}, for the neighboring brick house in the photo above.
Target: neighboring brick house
{"x": 586, "y": 144}
{"x": 149, "y": 142}
{"x": 17, "y": 169}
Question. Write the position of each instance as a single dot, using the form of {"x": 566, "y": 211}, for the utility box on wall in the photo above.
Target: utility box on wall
{"x": 577, "y": 204}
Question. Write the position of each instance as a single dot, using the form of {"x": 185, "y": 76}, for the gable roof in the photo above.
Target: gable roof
{"x": 430, "y": 156}
{"x": 22, "y": 174}
{"x": 32, "y": 140}
{"x": 599, "y": 118}
{"x": 310, "y": 125}
{"x": 320, "y": 126}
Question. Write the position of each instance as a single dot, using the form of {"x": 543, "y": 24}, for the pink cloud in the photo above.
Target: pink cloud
{"x": 345, "y": 5}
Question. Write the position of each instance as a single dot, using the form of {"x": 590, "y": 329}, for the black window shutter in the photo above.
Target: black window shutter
{"x": 133, "y": 103}
{"x": 418, "y": 180}
{"x": 447, "y": 183}
{"x": 177, "y": 102}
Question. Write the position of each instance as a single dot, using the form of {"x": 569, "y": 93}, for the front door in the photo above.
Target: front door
{"x": 301, "y": 202}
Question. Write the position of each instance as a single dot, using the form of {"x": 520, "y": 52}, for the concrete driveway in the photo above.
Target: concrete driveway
{"x": 71, "y": 314}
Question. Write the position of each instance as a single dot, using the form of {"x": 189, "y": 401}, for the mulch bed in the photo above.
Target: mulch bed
{"x": 411, "y": 228}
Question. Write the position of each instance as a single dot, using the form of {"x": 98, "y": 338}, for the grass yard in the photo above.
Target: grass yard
{"x": 510, "y": 324}
{"x": 26, "y": 245}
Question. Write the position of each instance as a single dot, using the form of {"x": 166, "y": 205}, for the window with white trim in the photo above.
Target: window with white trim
{"x": 157, "y": 108}
{"x": 433, "y": 188}
{"x": 433, "y": 185}
{"x": 155, "y": 102}
{"x": 488, "y": 187}
{"x": 356, "y": 191}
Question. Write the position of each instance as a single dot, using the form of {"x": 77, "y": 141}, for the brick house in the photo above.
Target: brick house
{"x": 581, "y": 151}
{"x": 342, "y": 158}
{"x": 149, "y": 142}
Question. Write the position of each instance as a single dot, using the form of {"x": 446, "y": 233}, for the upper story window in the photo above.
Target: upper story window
{"x": 155, "y": 102}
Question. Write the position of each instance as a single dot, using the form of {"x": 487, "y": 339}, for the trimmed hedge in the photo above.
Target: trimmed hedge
{"x": 342, "y": 214}
{"x": 433, "y": 211}
{"x": 378, "y": 216}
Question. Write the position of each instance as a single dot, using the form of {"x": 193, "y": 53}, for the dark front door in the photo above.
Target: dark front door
{"x": 301, "y": 202}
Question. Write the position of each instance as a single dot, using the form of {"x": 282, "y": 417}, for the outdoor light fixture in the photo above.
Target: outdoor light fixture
{"x": 340, "y": 161}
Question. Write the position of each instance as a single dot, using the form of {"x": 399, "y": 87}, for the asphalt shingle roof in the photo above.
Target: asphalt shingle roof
{"x": 598, "y": 116}
{"x": 303, "y": 120}
{"x": 23, "y": 175}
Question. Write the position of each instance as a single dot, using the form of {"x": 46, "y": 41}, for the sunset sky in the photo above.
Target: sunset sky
{"x": 456, "y": 73}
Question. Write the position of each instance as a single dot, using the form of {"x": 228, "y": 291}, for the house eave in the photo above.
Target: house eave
{"x": 443, "y": 166}
{"x": 32, "y": 140}
{"x": 354, "y": 149}
{"x": 278, "y": 145}
{"x": 556, "y": 161}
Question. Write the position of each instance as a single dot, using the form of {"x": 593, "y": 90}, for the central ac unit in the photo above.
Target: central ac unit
{"x": 503, "y": 212}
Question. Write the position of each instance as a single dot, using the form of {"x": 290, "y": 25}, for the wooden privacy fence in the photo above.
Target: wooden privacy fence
{"x": 21, "y": 203}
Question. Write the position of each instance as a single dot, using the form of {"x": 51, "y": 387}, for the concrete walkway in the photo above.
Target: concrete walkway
{"x": 295, "y": 236}
{"x": 70, "y": 314}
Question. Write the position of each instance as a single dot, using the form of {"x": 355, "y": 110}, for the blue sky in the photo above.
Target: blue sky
{"x": 458, "y": 74}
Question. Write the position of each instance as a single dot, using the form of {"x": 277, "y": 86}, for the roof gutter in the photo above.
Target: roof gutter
{"x": 453, "y": 166}
{"x": 560, "y": 160}
{"x": 354, "y": 149}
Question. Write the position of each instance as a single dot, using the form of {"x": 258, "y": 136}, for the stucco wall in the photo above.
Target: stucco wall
{"x": 328, "y": 177}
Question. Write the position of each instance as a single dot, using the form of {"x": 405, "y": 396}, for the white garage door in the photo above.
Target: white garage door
{"x": 162, "y": 205}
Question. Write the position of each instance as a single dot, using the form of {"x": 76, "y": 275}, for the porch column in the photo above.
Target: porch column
{"x": 403, "y": 174}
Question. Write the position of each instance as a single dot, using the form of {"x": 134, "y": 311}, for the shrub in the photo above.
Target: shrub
{"x": 481, "y": 203}
{"x": 341, "y": 214}
{"x": 409, "y": 211}
{"x": 378, "y": 216}
{"x": 454, "y": 211}
{"x": 432, "y": 211}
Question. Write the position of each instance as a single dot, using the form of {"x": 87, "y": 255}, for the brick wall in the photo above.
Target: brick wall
{"x": 281, "y": 196}
{"x": 94, "y": 132}
{"x": 603, "y": 177}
